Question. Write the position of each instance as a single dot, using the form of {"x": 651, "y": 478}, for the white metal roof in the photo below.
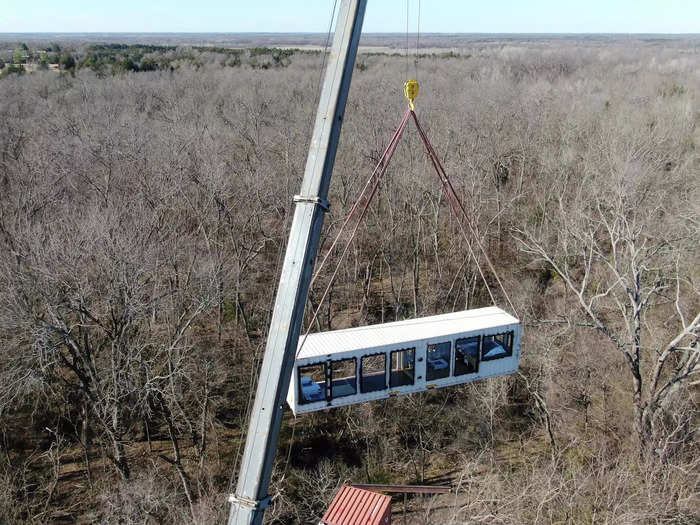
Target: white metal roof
{"x": 378, "y": 335}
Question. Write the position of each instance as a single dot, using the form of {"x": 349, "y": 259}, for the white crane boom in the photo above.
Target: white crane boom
{"x": 251, "y": 498}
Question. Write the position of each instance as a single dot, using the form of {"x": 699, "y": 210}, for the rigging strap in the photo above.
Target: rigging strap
{"x": 372, "y": 184}
{"x": 364, "y": 199}
{"x": 457, "y": 206}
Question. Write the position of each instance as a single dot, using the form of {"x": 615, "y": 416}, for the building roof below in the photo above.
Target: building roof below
{"x": 353, "y": 506}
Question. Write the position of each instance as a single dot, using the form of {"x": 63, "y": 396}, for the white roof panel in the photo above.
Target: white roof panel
{"x": 378, "y": 335}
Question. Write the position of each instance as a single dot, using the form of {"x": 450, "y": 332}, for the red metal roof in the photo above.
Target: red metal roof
{"x": 353, "y": 506}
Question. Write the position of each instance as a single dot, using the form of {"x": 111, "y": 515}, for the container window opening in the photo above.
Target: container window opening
{"x": 402, "y": 367}
{"x": 497, "y": 346}
{"x": 466, "y": 356}
{"x": 312, "y": 383}
{"x": 438, "y": 361}
{"x": 343, "y": 378}
{"x": 373, "y": 373}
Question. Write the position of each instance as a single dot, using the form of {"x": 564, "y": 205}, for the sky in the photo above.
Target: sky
{"x": 436, "y": 16}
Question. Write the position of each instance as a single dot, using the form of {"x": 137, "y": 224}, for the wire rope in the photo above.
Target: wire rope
{"x": 374, "y": 180}
{"x": 455, "y": 204}
{"x": 325, "y": 49}
{"x": 415, "y": 62}
{"x": 318, "y": 91}
{"x": 451, "y": 191}
{"x": 407, "y": 19}
{"x": 257, "y": 361}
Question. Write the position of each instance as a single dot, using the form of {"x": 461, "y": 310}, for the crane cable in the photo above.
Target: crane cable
{"x": 254, "y": 370}
{"x": 373, "y": 182}
{"x": 455, "y": 200}
{"x": 407, "y": 53}
{"x": 407, "y": 13}
{"x": 417, "y": 56}
{"x": 411, "y": 91}
{"x": 318, "y": 91}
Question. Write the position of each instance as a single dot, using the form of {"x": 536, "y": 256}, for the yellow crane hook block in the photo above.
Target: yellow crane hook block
{"x": 410, "y": 89}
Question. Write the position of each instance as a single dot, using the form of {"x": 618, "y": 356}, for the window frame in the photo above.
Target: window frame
{"x": 509, "y": 337}
{"x": 362, "y": 387}
{"x": 301, "y": 399}
{"x": 479, "y": 339}
{"x": 427, "y": 361}
{"x": 391, "y": 355}
{"x": 331, "y": 395}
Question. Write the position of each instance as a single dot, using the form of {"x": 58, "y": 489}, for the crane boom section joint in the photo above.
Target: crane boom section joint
{"x": 307, "y": 199}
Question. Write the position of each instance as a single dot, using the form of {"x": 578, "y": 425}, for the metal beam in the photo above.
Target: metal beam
{"x": 404, "y": 489}
{"x": 251, "y": 498}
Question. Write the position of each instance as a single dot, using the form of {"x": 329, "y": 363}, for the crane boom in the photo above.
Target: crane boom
{"x": 250, "y": 500}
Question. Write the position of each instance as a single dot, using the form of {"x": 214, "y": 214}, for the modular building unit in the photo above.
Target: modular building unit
{"x": 343, "y": 367}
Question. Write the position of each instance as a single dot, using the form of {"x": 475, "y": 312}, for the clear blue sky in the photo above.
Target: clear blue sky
{"x": 440, "y": 16}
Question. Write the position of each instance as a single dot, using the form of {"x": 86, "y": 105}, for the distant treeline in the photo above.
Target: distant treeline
{"x": 120, "y": 58}
{"x": 116, "y": 58}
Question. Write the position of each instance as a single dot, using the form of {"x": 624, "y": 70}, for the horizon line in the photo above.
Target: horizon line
{"x": 324, "y": 33}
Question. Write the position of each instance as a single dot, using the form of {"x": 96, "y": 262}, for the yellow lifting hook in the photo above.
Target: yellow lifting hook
{"x": 410, "y": 89}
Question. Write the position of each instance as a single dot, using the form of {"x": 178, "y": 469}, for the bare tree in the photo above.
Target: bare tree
{"x": 620, "y": 255}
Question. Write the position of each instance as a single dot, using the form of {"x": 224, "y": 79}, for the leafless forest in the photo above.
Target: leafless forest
{"x": 142, "y": 221}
